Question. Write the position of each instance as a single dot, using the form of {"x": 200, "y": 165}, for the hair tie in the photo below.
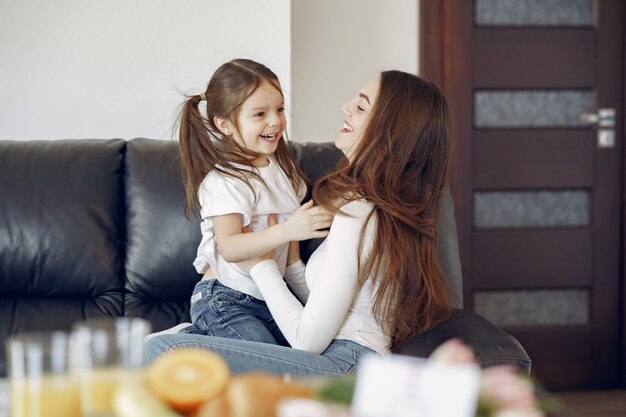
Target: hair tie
{"x": 202, "y": 97}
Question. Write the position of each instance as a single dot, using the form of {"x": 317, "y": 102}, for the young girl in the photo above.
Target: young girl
{"x": 237, "y": 172}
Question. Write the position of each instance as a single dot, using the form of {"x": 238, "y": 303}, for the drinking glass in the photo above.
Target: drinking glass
{"x": 41, "y": 383}
{"x": 106, "y": 352}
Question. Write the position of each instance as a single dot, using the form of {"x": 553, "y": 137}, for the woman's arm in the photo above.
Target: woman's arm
{"x": 296, "y": 281}
{"x": 236, "y": 246}
{"x": 312, "y": 327}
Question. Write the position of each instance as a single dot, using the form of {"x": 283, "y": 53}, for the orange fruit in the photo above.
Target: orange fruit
{"x": 186, "y": 378}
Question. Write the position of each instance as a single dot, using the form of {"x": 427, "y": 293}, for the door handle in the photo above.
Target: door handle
{"x": 605, "y": 120}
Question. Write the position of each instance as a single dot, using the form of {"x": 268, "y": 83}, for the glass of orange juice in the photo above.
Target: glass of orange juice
{"x": 106, "y": 351}
{"x": 41, "y": 383}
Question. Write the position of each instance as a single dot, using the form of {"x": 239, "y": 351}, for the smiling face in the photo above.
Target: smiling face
{"x": 260, "y": 122}
{"x": 356, "y": 112}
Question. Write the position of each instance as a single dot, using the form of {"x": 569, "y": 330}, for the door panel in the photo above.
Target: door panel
{"x": 532, "y": 308}
{"x": 538, "y": 159}
{"x": 572, "y": 361}
{"x": 538, "y": 200}
{"x": 508, "y": 57}
{"x": 532, "y": 259}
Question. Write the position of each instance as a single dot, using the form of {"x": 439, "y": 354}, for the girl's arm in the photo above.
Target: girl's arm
{"x": 236, "y": 246}
{"x": 312, "y": 327}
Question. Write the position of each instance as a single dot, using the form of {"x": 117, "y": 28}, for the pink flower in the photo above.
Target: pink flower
{"x": 453, "y": 352}
{"x": 507, "y": 393}
{"x": 503, "y": 391}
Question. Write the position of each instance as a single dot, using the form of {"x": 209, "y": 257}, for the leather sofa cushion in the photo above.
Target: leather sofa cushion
{"x": 97, "y": 227}
{"x": 61, "y": 233}
{"x": 161, "y": 242}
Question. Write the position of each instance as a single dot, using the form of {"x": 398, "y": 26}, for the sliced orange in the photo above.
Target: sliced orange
{"x": 186, "y": 378}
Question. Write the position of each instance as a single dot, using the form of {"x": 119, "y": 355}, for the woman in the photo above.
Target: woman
{"x": 375, "y": 282}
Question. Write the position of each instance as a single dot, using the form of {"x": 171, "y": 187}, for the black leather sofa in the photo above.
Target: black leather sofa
{"x": 97, "y": 228}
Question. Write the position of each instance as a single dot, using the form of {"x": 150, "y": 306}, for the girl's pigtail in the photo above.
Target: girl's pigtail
{"x": 197, "y": 153}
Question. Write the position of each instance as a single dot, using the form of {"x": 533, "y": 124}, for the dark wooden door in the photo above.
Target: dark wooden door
{"x": 537, "y": 189}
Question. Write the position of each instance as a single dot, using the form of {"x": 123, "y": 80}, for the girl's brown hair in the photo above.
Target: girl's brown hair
{"x": 204, "y": 148}
{"x": 400, "y": 166}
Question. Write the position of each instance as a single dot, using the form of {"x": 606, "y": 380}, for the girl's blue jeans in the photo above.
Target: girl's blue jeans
{"x": 341, "y": 357}
{"x": 217, "y": 310}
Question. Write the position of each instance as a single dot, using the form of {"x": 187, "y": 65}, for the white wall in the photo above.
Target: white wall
{"x": 115, "y": 68}
{"x": 339, "y": 45}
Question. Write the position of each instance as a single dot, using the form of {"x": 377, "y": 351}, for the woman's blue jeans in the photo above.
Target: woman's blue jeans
{"x": 341, "y": 357}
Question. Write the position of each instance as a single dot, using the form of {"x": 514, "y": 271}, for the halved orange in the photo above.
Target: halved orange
{"x": 186, "y": 378}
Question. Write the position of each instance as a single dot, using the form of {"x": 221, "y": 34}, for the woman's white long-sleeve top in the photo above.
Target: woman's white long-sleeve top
{"x": 337, "y": 306}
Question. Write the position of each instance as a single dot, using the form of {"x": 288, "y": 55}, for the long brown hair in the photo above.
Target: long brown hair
{"x": 400, "y": 166}
{"x": 204, "y": 148}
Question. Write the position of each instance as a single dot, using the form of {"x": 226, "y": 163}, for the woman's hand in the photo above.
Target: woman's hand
{"x": 249, "y": 264}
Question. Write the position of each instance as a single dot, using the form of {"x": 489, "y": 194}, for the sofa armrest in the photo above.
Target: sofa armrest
{"x": 491, "y": 345}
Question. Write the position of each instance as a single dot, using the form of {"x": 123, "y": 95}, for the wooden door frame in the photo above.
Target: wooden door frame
{"x": 445, "y": 47}
{"x": 623, "y": 264}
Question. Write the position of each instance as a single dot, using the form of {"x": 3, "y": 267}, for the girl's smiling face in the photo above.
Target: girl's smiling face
{"x": 260, "y": 122}
{"x": 356, "y": 112}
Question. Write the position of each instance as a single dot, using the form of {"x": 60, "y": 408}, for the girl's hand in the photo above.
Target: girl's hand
{"x": 249, "y": 264}
{"x": 308, "y": 222}
{"x": 293, "y": 255}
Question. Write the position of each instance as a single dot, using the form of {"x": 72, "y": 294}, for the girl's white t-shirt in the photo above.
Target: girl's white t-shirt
{"x": 220, "y": 194}
{"x": 338, "y": 307}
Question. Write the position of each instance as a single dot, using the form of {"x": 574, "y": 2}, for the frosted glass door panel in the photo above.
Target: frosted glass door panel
{"x": 531, "y": 108}
{"x": 534, "y": 307}
{"x": 533, "y": 13}
{"x": 565, "y": 208}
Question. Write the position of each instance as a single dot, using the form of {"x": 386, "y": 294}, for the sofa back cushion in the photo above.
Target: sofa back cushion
{"x": 97, "y": 227}
{"x": 61, "y": 233}
{"x": 161, "y": 241}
